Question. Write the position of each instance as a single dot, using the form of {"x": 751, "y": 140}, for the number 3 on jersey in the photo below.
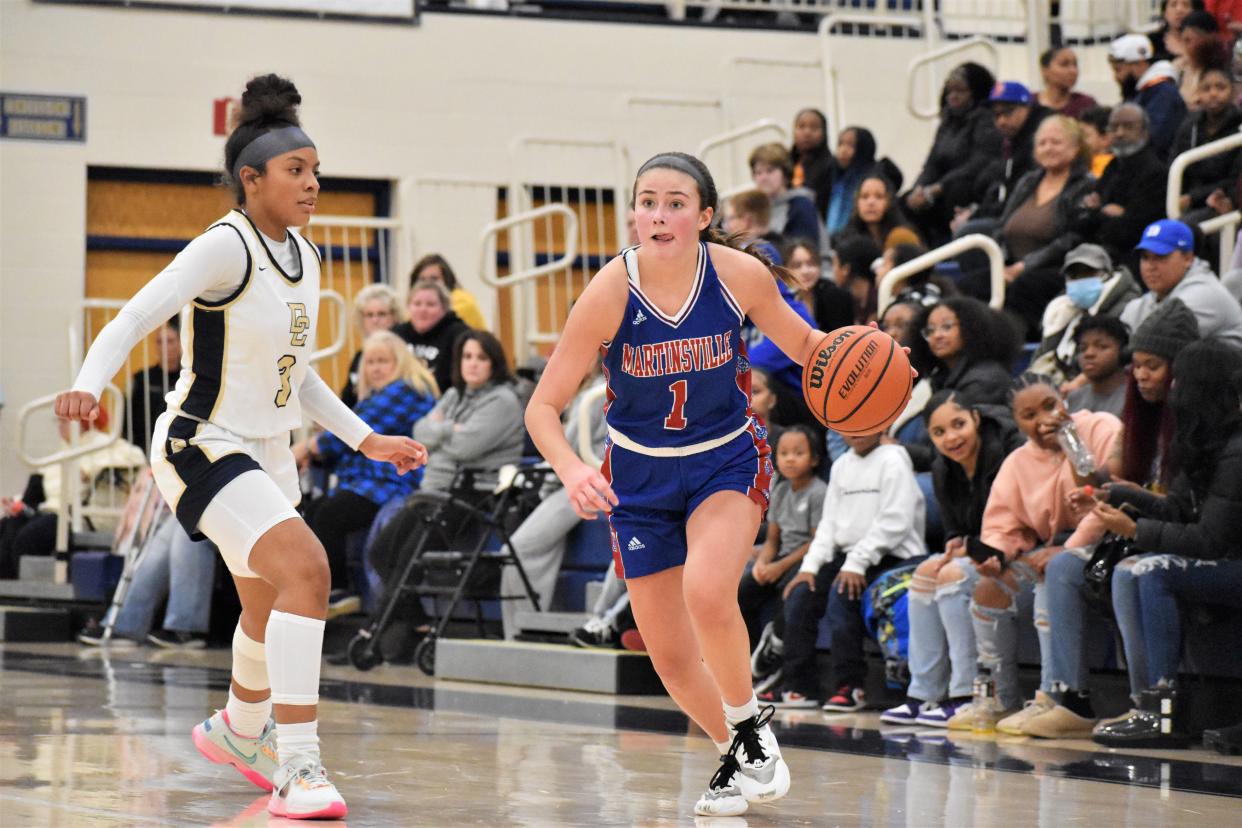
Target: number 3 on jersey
{"x": 676, "y": 419}
{"x": 284, "y": 365}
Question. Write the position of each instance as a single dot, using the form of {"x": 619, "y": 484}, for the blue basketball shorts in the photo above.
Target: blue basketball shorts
{"x": 656, "y": 495}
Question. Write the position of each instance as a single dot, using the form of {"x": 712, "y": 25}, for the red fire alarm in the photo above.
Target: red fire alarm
{"x": 224, "y": 113}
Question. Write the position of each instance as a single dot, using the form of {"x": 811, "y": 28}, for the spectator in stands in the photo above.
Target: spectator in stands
{"x": 1094, "y": 123}
{"x": 433, "y": 329}
{"x": 972, "y": 348}
{"x": 395, "y": 390}
{"x": 872, "y": 521}
{"x": 541, "y": 539}
{"x": 778, "y": 405}
{"x": 830, "y": 305}
{"x": 878, "y": 216}
{"x": 1038, "y": 225}
{"x": 793, "y": 210}
{"x": 855, "y": 160}
{"x": 966, "y": 141}
{"x": 175, "y": 568}
{"x": 477, "y": 424}
{"x": 1030, "y": 521}
{"x": 1206, "y": 184}
{"x": 923, "y": 288}
{"x": 376, "y": 308}
{"x": 1102, "y": 358}
{"x": 1170, "y": 270}
{"x": 971, "y": 443}
{"x": 1202, "y": 51}
{"x": 1017, "y": 116}
{"x": 435, "y": 268}
{"x": 1166, "y": 41}
{"x": 1140, "y": 453}
{"x": 1130, "y": 194}
{"x": 747, "y": 216}
{"x": 149, "y": 387}
{"x": 610, "y": 620}
{"x": 813, "y": 165}
{"x": 796, "y": 506}
{"x": 1058, "y": 67}
{"x": 1194, "y": 533}
{"x": 1092, "y": 287}
{"x": 1152, "y": 84}
{"x": 852, "y": 259}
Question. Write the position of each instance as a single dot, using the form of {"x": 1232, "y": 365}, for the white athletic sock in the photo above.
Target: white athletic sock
{"x": 722, "y": 747}
{"x": 301, "y": 739}
{"x": 247, "y": 718}
{"x": 733, "y": 715}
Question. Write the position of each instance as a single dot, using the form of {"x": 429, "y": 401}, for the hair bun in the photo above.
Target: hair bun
{"x": 269, "y": 99}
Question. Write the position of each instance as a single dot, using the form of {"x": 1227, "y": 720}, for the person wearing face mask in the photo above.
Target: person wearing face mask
{"x": 1152, "y": 84}
{"x": 1130, "y": 194}
{"x": 1207, "y": 185}
{"x": 1093, "y": 287}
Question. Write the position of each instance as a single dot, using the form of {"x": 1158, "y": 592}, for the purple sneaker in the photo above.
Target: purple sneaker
{"x": 938, "y": 715}
{"x": 903, "y": 714}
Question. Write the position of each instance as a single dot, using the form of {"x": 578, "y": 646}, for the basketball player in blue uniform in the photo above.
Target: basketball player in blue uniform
{"x": 221, "y": 454}
{"x": 686, "y": 467}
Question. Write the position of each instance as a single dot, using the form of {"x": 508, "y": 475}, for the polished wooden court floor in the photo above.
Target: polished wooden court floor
{"x": 95, "y": 739}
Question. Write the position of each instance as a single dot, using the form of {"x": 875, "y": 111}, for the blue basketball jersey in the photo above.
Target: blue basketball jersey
{"x": 676, "y": 382}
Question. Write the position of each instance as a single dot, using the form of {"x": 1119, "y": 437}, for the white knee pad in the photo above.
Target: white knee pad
{"x": 249, "y": 661}
{"x": 294, "y": 651}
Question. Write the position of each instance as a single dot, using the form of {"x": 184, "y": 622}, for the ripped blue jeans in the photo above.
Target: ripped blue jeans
{"x": 942, "y": 637}
{"x": 1149, "y": 587}
{"x": 996, "y": 629}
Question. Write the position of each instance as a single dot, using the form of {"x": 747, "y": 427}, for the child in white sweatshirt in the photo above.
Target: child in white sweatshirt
{"x": 873, "y": 521}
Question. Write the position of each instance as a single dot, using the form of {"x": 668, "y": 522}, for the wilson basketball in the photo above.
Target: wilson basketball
{"x": 858, "y": 380}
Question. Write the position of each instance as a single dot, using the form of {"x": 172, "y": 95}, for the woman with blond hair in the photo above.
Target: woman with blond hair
{"x": 376, "y": 308}
{"x": 395, "y": 390}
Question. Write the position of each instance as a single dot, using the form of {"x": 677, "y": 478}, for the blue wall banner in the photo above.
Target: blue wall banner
{"x": 42, "y": 117}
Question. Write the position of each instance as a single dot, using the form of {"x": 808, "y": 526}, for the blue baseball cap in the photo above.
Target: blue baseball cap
{"x": 1164, "y": 236}
{"x": 1009, "y": 92}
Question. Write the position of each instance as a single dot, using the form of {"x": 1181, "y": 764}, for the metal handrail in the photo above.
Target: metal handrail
{"x": 487, "y": 241}
{"x": 1173, "y": 194}
{"x": 342, "y": 325}
{"x": 933, "y": 56}
{"x": 754, "y": 128}
{"x": 975, "y": 241}
{"x": 585, "y": 450}
{"x": 834, "y": 102}
{"x": 73, "y": 452}
{"x": 1227, "y": 226}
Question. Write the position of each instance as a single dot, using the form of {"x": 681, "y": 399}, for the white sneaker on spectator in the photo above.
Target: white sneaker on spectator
{"x": 596, "y": 633}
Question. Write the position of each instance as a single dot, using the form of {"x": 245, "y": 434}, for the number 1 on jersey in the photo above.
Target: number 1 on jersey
{"x": 676, "y": 419}
{"x": 284, "y": 365}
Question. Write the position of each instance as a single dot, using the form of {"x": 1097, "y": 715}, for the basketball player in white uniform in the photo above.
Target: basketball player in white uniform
{"x": 221, "y": 455}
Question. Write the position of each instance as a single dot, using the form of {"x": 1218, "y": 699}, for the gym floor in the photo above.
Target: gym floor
{"x": 91, "y": 738}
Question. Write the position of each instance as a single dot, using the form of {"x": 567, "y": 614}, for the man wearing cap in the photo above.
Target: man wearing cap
{"x": 1151, "y": 85}
{"x": 1017, "y": 115}
{"x": 1169, "y": 269}
{"x": 1093, "y": 287}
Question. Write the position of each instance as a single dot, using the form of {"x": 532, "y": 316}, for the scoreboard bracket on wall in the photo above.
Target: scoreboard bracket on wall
{"x": 42, "y": 117}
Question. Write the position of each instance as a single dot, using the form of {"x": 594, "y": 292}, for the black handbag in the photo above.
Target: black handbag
{"x": 1098, "y": 572}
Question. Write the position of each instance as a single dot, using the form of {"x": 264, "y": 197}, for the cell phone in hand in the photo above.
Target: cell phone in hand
{"x": 980, "y": 552}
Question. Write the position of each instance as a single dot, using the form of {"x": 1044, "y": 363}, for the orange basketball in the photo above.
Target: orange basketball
{"x": 858, "y": 380}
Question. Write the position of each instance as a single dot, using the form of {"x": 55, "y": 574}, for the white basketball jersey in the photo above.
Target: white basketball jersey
{"x": 247, "y": 354}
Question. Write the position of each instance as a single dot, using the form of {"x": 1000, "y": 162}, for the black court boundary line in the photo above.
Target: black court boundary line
{"x": 1183, "y": 775}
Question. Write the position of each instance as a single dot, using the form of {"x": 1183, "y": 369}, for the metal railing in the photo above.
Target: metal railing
{"x": 912, "y": 71}
{"x": 834, "y": 99}
{"x": 1227, "y": 224}
{"x": 975, "y": 241}
{"x": 729, "y": 141}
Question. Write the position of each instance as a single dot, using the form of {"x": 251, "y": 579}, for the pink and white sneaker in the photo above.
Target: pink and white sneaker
{"x": 254, "y": 757}
{"x": 302, "y": 791}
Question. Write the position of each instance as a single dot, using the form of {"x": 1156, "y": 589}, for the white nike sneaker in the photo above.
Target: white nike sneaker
{"x": 302, "y": 791}
{"x": 723, "y": 797}
{"x": 254, "y": 757}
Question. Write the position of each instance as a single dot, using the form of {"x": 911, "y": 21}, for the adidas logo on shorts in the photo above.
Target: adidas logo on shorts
{"x": 640, "y": 317}
{"x": 635, "y": 544}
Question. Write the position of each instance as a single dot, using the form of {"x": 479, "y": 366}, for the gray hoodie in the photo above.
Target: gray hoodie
{"x": 480, "y": 428}
{"x": 1219, "y": 315}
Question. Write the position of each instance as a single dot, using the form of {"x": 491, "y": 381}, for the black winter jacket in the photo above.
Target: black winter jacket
{"x": 996, "y": 182}
{"x": 1203, "y": 177}
{"x": 965, "y": 143}
{"x": 962, "y": 499}
{"x": 1137, "y": 183}
{"x": 985, "y": 382}
{"x": 435, "y": 347}
{"x": 1068, "y": 214}
{"x": 1207, "y": 528}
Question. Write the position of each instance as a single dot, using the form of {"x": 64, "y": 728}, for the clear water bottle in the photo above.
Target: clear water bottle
{"x": 1079, "y": 455}
{"x": 983, "y": 707}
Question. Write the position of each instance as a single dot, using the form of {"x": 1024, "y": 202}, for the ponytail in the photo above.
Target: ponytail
{"x": 714, "y": 235}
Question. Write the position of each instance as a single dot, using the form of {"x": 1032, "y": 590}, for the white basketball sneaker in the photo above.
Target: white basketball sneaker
{"x": 302, "y": 791}
{"x": 752, "y": 771}
{"x": 724, "y": 795}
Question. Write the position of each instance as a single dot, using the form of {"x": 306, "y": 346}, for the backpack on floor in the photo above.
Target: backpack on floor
{"x": 885, "y": 608}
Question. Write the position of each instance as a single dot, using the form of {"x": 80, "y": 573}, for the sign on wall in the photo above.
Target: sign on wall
{"x": 42, "y": 117}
